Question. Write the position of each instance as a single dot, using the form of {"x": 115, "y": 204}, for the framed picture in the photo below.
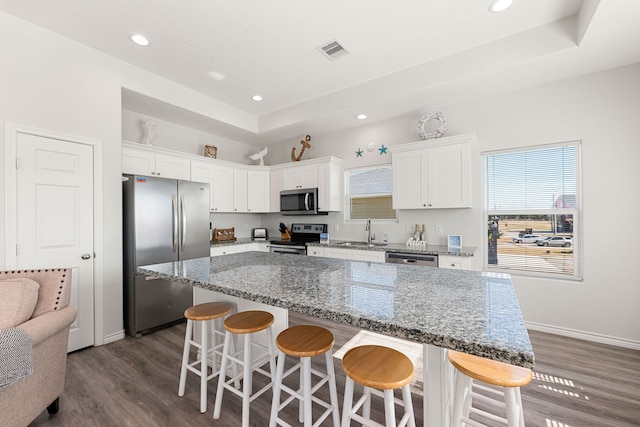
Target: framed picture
{"x": 454, "y": 241}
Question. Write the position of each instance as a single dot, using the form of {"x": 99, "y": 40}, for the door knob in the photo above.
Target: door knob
{"x": 86, "y": 256}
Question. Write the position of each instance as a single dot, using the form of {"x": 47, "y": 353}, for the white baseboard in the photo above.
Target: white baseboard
{"x": 587, "y": 336}
{"x": 117, "y": 336}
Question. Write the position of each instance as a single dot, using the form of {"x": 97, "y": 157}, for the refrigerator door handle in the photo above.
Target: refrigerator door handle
{"x": 174, "y": 235}
{"x": 184, "y": 223}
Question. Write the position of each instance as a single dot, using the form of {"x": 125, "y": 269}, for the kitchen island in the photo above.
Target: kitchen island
{"x": 473, "y": 312}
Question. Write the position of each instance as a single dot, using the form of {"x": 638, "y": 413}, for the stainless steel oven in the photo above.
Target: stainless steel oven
{"x": 300, "y": 235}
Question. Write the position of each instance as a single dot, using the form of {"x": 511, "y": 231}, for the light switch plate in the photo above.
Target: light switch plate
{"x": 336, "y": 228}
{"x": 439, "y": 229}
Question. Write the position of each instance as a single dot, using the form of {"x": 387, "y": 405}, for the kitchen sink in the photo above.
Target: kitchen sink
{"x": 360, "y": 244}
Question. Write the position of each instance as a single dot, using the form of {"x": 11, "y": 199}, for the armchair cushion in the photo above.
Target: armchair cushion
{"x": 18, "y": 298}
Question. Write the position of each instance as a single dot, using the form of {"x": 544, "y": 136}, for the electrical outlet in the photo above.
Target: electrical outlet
{"x": 438, "y": 229}
{"x": 336, "y": 228}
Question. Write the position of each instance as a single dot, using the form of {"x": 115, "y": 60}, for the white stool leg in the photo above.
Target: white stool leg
{"x": 275, "y": 403}
{"x": 185, "y": 358}
{"x": 513, "y": 410}
{"x": 333, "y": 391}
{"x": 246, "y": 381}
{"x": 305, "y": 374}
{"x": 204, "y": 337}
{"x": 222, "y": 377}
{"x": 519, "y": 400}
{"x": 347, "y": 405}
{"x": 463, "y": 384}
{"x": 389, "y": 408}
{"x": 408, "y": 405}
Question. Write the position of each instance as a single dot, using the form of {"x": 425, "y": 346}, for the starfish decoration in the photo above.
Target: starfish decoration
{"x": 382, "y": 149}
{"x": 359, "y": 153}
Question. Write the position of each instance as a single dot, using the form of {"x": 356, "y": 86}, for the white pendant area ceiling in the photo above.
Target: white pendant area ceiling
{"x": 397, "y": 56}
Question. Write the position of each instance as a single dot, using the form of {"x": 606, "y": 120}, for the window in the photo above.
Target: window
{"x": 532, "y": 207}
{"x": 369, "y": 193}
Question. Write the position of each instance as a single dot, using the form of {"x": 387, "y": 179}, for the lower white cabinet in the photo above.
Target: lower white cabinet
{"x": 315, "y": 251}
{"x": 228, "y": 249}
{"x": 455, "y": 262}
{"x": 354, "y": 254}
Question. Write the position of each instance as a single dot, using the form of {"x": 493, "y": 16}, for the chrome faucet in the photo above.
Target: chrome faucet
{"x": 370, "y": 237}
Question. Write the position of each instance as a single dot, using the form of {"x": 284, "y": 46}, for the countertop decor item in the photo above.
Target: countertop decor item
{"x": 211, "y": 151}
{"x": 224, "y": 234}
{"x": 435, "y": 115}
{"x": 305, "y": 144}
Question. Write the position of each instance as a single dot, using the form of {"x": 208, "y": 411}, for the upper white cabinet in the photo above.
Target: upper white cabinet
{"x": 304, "y": 176}
{"x": 330, "y": 186}
{"x": 153, "y": 162}
{"x": 433, "y": 174}
{"x": 220, "y": 178}
{"x": 258, "y": 190}
{"x": 275, "y": 186}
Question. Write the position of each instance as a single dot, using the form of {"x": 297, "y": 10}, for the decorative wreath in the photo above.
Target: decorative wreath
{"x": 437, "y": 115}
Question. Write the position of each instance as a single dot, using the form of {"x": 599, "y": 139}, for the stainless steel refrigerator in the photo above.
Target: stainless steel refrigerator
{"x": 163, "y": 220}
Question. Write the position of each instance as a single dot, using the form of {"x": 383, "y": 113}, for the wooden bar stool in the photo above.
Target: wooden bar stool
{"x": 305, "y": 341}
{"x": 377, "y": 368}
{"x": 205, "y": 313}
{"x": 246, "y": 323}
{"x": 487, "y": 371}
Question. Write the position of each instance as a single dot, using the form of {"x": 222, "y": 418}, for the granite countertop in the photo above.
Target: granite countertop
{"x": 473, "y": 312}
{"x": 465, "y": 251}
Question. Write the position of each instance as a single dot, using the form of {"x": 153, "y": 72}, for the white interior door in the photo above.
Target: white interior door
{"x": 54, "y": 219}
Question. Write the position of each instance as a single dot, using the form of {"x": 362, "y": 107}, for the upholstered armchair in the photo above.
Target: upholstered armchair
{"x": 33, "y": 365}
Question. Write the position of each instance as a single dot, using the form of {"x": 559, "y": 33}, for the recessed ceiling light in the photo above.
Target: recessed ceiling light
{"x": 139, "y": 39}
{"x": 216, "y": 75}
{"x": 499, "y": 5}
{"x": 256, "y": 98}
{"x": 361, "y": 116}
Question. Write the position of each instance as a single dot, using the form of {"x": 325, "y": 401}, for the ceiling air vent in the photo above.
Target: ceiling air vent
{"x": 333, "y": 49}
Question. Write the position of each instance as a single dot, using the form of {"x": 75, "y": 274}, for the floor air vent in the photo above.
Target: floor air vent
{"x": 333, "y": 49}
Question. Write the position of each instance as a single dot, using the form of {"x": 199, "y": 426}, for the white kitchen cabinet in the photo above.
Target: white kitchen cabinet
{"x": 304, "y": 176}
{"x": 220, "y": 179}
{"x": 330, "y": 186}
{"x": 455, "y": 262}
{"x": 432, "y": 175}
{"x": 228, "y": 249}
{"x": 354, "y": 254}
{"x": 239, "y": 190}
{"x": 315, "y": 251}
{"x": 258, "y": 191}
{"x": 151, "y": 162}
{"x": 275, "y": 186}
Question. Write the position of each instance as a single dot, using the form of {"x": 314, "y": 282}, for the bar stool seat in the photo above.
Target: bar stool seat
{"x": 304, "y": 342}
{"x": 245, "y": 323}
{"x": 377, "y": 368}
{"x": 208, "y": 347}
{"x": 492, "y": 372}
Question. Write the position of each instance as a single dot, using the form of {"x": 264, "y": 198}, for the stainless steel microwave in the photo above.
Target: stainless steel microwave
{"x": 301, "y": 201}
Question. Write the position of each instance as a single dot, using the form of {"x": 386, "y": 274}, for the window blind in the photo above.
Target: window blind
{"x": 532, "y": 208}
{"x": 369, "y": 193}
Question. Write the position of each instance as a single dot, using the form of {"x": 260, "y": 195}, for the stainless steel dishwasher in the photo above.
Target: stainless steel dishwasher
{"x": 412, "y": 259}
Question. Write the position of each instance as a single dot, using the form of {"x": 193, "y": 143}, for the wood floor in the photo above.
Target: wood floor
{"x": 134, "y": 382}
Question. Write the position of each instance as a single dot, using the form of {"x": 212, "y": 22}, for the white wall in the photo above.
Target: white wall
{"x": 188, "y": 140}
{"x": 602, "y": 110}
{"x": 50, "y": 82}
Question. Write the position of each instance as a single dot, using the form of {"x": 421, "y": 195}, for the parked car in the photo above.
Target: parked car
{"x": 555, "y": 241}
{"x": 527, "y": 238}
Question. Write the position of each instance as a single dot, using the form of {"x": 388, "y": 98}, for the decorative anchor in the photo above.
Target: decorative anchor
{"x": 305, "y": 144}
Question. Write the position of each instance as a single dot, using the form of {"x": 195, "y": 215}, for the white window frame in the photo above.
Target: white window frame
{"x": 578, "y": 255}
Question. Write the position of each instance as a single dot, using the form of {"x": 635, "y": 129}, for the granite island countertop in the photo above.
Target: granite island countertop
{"x": 473, "y": 312}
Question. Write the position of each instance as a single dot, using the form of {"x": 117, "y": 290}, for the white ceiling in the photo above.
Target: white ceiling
{"x": 405, "y": 56}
